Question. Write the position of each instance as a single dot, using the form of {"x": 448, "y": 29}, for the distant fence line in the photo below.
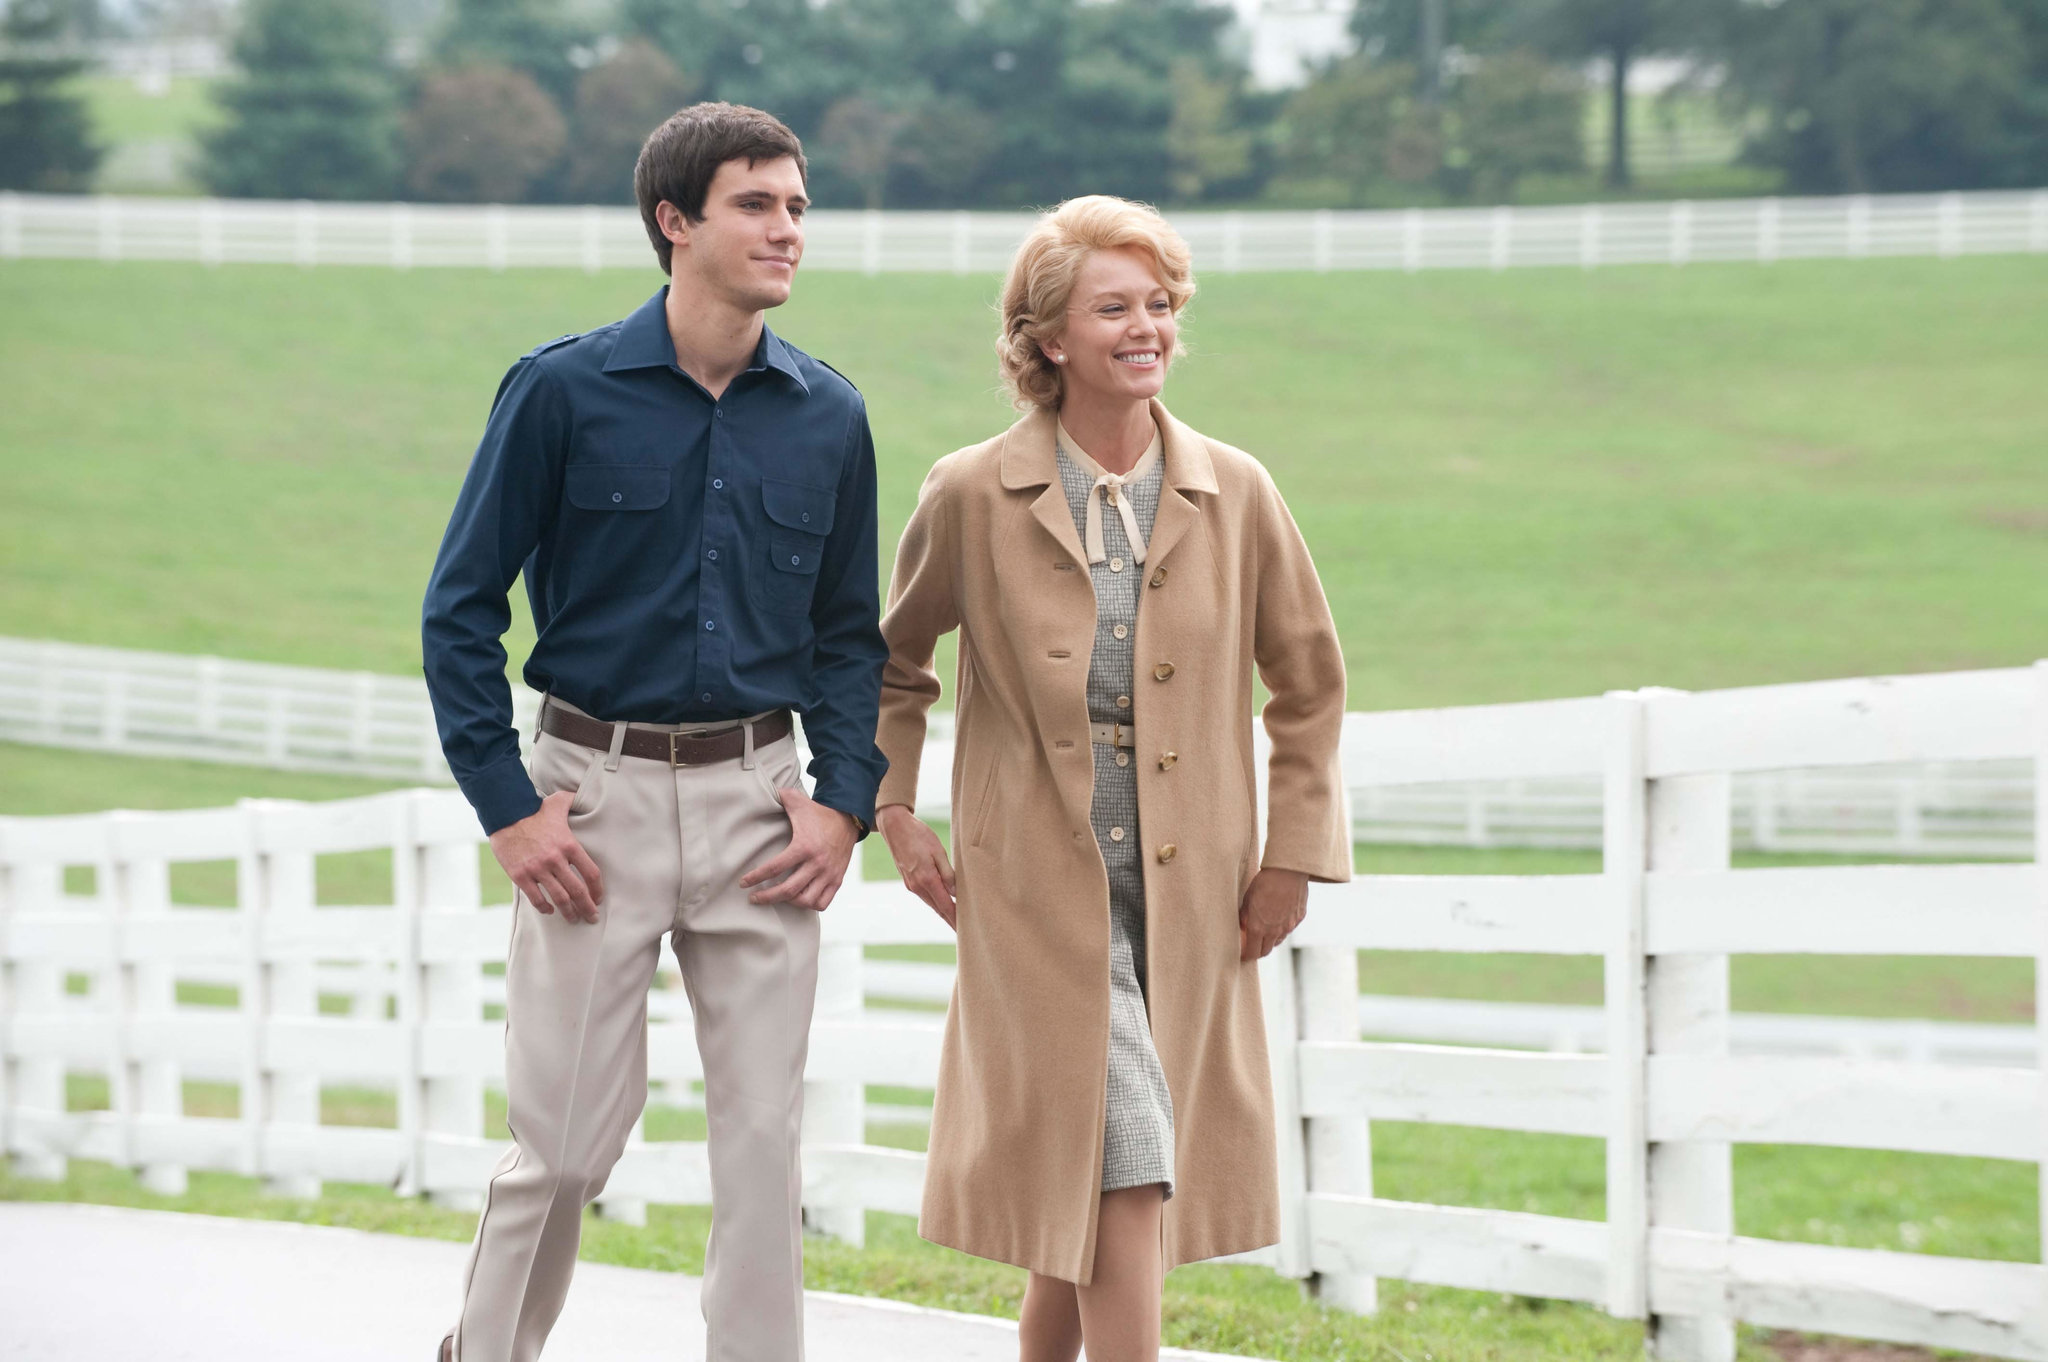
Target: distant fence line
{"x": 495, "y": 236}
{"x": 366, "y": 724}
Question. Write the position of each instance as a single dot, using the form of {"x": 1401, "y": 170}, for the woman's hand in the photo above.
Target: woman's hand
{"x": 1274, "y": 906}
{"x": 920, "y": 858}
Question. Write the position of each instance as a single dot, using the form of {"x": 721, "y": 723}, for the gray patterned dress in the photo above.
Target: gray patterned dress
{"x": 1138, "y": 1129}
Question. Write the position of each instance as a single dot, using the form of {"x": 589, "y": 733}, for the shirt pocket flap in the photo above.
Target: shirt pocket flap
{"x": 794, "y": 553}
{"x": 615, "y": 486}
{"x": 798, "y": 505}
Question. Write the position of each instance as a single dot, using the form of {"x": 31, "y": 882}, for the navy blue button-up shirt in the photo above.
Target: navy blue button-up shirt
{"x": 687, "y": 559}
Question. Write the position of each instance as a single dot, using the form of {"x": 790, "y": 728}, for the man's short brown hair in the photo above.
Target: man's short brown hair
{"x": 679, "y": 159}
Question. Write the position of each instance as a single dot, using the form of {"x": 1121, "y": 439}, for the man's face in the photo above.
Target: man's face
{"x": 748, "y": 245}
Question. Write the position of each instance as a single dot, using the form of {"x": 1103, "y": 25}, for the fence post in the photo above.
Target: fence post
{"x": 452, "y": 997}
{"x": 305, "y": 234}
{"x": 1279, "y": 993}
{"x": 1766, "y": 231}
{"x": 279, "y": 886}
{"x": 408, "y": 897}
{"x": 1322, "y": 247}
{"x": 963, "y": 242}
{"x": 1681, "y": 232}
{"x": 871, "y": 241}
{"x": 1589, "y": 236}
{"x": 1411, "y": 239}
{"x": 1233, "y": 242}
{"x": 495, "y": 230}
{"x": 1624, "y": 847}
{"x": 1500, "y": 236}
{"x": 209, "y": 232}
{"x": 10, "y": 225}
{"x": 1948, "y": 225}
{"x": 2041, "y": 957}
{"x": 1339, "y": 1148}
{"x": 401, "y": 236}
{"x": 2037, "y": 220}
{"x": 593, "y": 240}
{"x": 146, "y": 1089}
{"x": 31, "y": 987}
{"x": 1857, "y": 243}
{"x": 1691, "y": 1182}
{"x": 836, "y": 1113}
{"x": 110, "y": 229}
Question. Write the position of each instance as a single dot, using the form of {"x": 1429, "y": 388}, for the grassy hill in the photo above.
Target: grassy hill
{"x": 1526, "y": 484}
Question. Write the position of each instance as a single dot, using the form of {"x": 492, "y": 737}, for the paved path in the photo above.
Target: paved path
{"x": 105, "y": 1284}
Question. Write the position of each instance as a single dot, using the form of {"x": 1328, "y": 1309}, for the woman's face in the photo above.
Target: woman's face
{"x": 1120, "y": 327}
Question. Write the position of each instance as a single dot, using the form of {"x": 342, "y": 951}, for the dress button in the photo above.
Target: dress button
{"x": 710, "y": 624}
{"x": 719, "y": 413}
{"x": 1162, "y": 671}
{"x": 1123, "y": 759}
{"x": 1167, "y": 759}
{"x": 714, "y": 555}
{"x": 1166, "y": 853}
{"x": 1116, "y": 834}
{"x": 1116, "y": 565}
{"x": 618, "y": 496}
{"x": 1122, "y": 631}
{"x": 718, "y": 484}
{"x": 1159, "y": 577}
{"x": 1123, "y": 702}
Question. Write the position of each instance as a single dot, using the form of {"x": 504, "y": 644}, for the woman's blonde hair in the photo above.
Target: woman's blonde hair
{"x": 1041, "y": 281}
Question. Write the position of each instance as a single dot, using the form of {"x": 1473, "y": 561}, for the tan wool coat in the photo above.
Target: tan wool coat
{"x": 1015, "y": 1161}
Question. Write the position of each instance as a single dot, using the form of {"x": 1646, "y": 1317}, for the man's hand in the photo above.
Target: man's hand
{"x": 920, "y": 859}
{"x": 548, "y": 864}
{"x": 1274, "y": 906}
{"x": 820, "y": 846}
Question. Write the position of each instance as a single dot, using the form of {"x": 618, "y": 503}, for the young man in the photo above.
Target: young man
{"x": 693, "y": 504}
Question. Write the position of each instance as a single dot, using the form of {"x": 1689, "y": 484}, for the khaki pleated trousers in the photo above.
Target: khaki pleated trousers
{"x": 671, "y": 843}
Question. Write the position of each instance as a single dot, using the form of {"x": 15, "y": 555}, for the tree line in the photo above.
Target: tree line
{"x": 1002, "y": 103}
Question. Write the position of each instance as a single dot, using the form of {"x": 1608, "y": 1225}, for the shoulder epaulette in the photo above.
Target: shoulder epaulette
{"x": 849, "y": 382}
{"x": 553, "y": 344}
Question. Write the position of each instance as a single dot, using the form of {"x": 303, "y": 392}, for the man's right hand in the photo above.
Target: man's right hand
{"x": 920, "y": 858}
{"x": 547, "y": 863}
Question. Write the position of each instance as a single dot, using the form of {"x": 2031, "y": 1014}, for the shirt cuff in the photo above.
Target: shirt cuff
{"x": 835, "y": 795}
{"x": 501, "y": 794}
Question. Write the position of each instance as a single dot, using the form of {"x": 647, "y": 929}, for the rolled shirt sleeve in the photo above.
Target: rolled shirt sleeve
{"x": 849, "y": 653}
{"x": 495, "y": 527}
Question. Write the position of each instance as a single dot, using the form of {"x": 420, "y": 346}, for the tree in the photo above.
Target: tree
{"x": 46, "y": 141}
{"x": 1518, "y": 115}
{"x": 314, "y": 113}
{"x": 863, "y": 138}
{"x": 1422, "y": 32}
{"x": 1207, "y": 143}
{"x": 1360, "y": 123}
{"x": 1864, "y": 95}
{"x": 1618, "y": 31}
{"x": 618, "y": 102}
{"x": 481, "y": 134}
{"x": 533, "y": 36}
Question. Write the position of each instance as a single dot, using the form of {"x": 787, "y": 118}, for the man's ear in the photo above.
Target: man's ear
{"x": 673, "y": 224}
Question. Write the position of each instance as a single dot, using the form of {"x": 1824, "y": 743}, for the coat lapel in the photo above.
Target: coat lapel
{"x": 1187, "y": 470}
{"x": 1029, "y": 461}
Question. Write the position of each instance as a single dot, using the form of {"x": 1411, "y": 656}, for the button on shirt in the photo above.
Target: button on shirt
{"x": 687, "y": 559}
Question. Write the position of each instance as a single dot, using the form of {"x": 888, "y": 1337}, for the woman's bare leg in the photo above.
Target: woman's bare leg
{"x": 1049, "y": 1326}
{"x": 1120, "y": 1308}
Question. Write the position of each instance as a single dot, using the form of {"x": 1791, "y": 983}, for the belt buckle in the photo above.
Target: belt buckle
{"x": 684, "y": 736}
{"x": 1116, "y": 735}
{"x": 673, "y": 759}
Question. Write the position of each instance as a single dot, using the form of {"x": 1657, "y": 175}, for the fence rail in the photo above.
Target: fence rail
{"x": 497, "y": 237}
{"x": 360, "y": 723}
{"x": 1668, "y": 1093}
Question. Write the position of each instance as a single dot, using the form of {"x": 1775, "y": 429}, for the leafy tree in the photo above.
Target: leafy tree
{"x": 1518, "y": 115}
{"x": 1421, "y": 32}
{"x": 46, "y": 141}
{"x": 481, "y": 134}
{"x": 1207, "y": 142}
{"x": 864, "y": 138}
{"x": 1863, "y": 95}
{"x": 1618, "y": 31}
{"x": 314, "y": 113}
{"x": 534, "y": 36}
{"x": 618, "y": 102}
{"x": 1360, "y": 124}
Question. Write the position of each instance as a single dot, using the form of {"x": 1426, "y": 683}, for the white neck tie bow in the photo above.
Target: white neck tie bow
{"x": 1114, "y": 490}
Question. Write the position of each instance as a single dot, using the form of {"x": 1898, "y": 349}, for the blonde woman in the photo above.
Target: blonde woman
{"x": 1104, "y": 1108}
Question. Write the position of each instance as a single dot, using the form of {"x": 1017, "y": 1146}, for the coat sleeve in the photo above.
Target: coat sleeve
{"x": 923, "y": 604}
{"x": 1294, "y": 644}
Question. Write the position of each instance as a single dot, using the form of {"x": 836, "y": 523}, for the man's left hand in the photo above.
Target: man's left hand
{"x": 1274, "y": 906}
{"x": 821, "y": 842}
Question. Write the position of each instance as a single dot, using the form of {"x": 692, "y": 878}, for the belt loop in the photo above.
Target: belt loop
{"x": 747, "y": 745}
{"x": 611, "y": 760}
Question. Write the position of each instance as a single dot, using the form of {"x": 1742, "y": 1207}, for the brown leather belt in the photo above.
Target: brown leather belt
{"x": 664, "y": 745}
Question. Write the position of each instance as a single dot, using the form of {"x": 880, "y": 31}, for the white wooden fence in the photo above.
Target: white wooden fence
{"x": 1665, "y": 912}
{"x": 407, "y": 236}
{"x": 361, "y": 723}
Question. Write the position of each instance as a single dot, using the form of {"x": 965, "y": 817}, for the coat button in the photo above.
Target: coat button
{"x": 1162, "y": 671}
{"x": 1166, "y": 853}
{"x": 1159, "y": 577}
{"x": 1167, "y": 759}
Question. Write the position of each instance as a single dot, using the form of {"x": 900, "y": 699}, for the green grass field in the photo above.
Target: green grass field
{"x": 1521, "y": 485}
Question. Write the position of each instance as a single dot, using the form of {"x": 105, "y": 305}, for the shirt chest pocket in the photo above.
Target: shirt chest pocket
{"x": 799, "y": 518}
{"x": 618, "y": 543}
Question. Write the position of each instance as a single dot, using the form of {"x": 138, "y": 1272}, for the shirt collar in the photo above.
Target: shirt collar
{"x": 643, "y": 343}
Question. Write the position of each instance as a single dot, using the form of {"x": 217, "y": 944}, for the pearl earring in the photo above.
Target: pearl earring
{"x": 1059, "y": 359}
